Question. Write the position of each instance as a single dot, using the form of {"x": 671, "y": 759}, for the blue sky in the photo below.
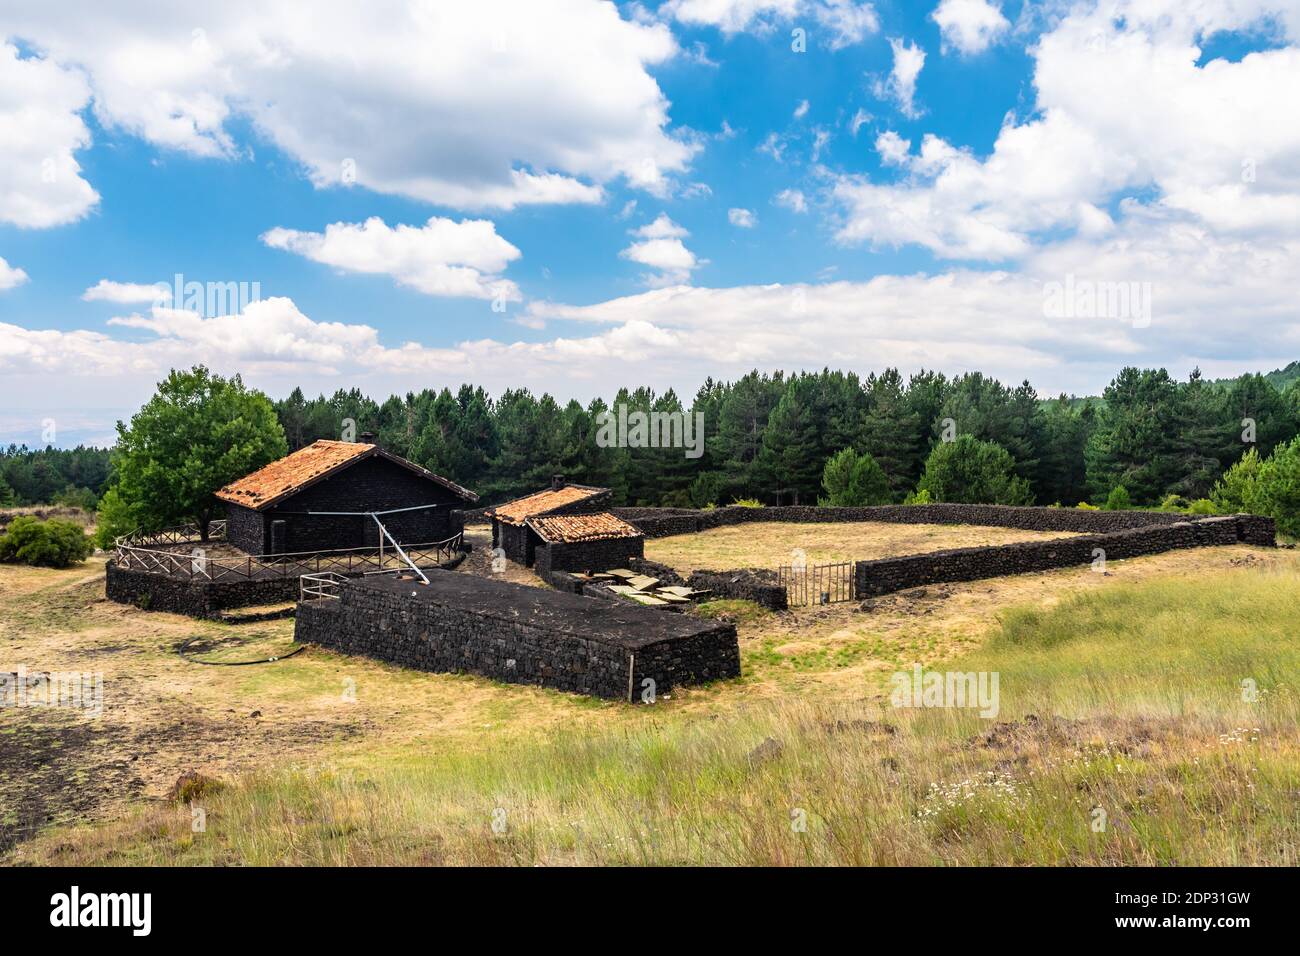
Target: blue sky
{"x": 796, "y": 209}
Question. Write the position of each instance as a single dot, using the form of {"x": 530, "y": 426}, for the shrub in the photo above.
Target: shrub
{"x": 919, "y": 497}
{"x": 1118, "y": 499}
{"x": 852, "y": 481}
{"x": 1174, "y": 503}
{"x": 971, "y": 471}
{"x": 1238, "y": 490}
{"x": 113, "y": 519}
{"x": 51, "y": 544}
{"x": 1278, "y": 488}
{"x": 1202, "y": 506}
{"x": 1084, "y": 506}
{"x": 747, "y": 503}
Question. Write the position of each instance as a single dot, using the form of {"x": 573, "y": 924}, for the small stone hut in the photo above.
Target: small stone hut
{"x": 594, "y": 542}
{"x": 510, "y": 529}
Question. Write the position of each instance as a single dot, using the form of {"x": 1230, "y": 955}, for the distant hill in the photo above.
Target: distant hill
{"x": 1279, "y": 378}
{"x": 1282, "y": 377}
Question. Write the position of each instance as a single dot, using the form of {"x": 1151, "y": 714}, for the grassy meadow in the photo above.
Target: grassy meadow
{"x": 1125, "y": 736}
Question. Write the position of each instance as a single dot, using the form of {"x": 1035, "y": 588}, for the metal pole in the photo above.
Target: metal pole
{"x": 398, "y": 548}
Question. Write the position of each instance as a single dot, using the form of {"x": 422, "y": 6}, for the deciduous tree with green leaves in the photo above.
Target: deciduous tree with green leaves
{"x": 197, "y": 433}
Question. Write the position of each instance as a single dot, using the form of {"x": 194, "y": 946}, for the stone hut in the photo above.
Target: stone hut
{"x": 301, "y": 502}
{"x": 594, "y": 542}
{"x": 510, "y": 530}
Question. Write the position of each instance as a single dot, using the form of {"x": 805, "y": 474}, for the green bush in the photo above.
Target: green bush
{"x": 1084, "y": 506}
{"x": 1202, "y": 506}
{"x": 1118, "y": 499}
{"x": 971, "y": 471}
{"x": 51, "y": 544}
{"x": 747, "y": 503}
{"x": 919, "y": 497}
{"x": 852, "y": 481}
{"x": 1278, "y": 488}
{"x": 1174, "y": 503}
{"x": 1237, "y": 491}
{"x": 113, "y": 519}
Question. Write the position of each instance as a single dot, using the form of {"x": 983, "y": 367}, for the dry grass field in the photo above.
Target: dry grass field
{"x": 770, "y": 544}
{"x": 1118, "y": 690}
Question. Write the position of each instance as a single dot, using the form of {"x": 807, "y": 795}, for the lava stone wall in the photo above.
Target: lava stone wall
{"x": 245, "y": 529}
{"x": 517, "y": 541}
{"x": 587, "y": 555}
{"x": 519, "y": 634}
{"x": 886, "y": 575}
{"x": 197, "y": 598}
{"x": 663, "y": 522}
{"x": 743, "y": 585}
{"x": 1256, "y": 530}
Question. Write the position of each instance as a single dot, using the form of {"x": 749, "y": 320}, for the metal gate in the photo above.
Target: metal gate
{"x": 818, "y": 584}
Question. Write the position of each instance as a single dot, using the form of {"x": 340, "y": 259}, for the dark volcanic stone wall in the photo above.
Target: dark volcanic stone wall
{"x": 587, "y": 555}
{"x": 885, "y": 575}
{"x": 246, "y": 529}
{"x": 520, "y": 635}
{"x": 517, "y": 541}
{"x": 745, "y": 585}
{"x": 197, "y": 598}
{"x": 662, "y": 522}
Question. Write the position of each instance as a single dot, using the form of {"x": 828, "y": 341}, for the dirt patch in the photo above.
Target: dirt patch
{"x": 53, "y": 774}
{"x": 1103, "y": 736}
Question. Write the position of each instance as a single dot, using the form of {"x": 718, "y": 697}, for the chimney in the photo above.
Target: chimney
{"x": 368, "y": 438}
{"x": 557, "y": 482}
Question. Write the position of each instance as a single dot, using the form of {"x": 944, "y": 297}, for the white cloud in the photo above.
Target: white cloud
{"x": 1206, "y": 291}
{"x": 127, "y": 293}
{"x": 10, "y": 276}
{"x": 909, "y": 58}
{"x": 893, "y": 149}
{"x": 41, "y": 129}
{"x": 491, "y": 104}
{"x": 860, "y": 119}
{"x": 661, "y": 228}
{"x": 847, "y": 21}
{"x": 443, "y": 257}
{"x": 773, "y": 146}
{"x": 732, "y": 16}
{"x": 1122, "y": 109}
{"x": 970, "y": 26}
{"x": 661, "y": 248}
{"x": 801, "y": 110}
{"x": 821, "y": 136}
{"x": 792, "y": 199}
{"x": 742, "y": 218}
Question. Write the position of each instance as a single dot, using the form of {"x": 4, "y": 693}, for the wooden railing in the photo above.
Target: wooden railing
{"x": 131, "y": 552}
{"x": 320, "y": 587}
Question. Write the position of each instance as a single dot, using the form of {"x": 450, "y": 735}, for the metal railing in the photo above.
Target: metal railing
{"x": 131, "y": 551}
{"x": 817, "y": 584}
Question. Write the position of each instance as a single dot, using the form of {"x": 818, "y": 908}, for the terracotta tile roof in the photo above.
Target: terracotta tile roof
{"x": 571, "y": 528}
{"x": 521, "y": 509}
{"x": 306, "y": 466}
